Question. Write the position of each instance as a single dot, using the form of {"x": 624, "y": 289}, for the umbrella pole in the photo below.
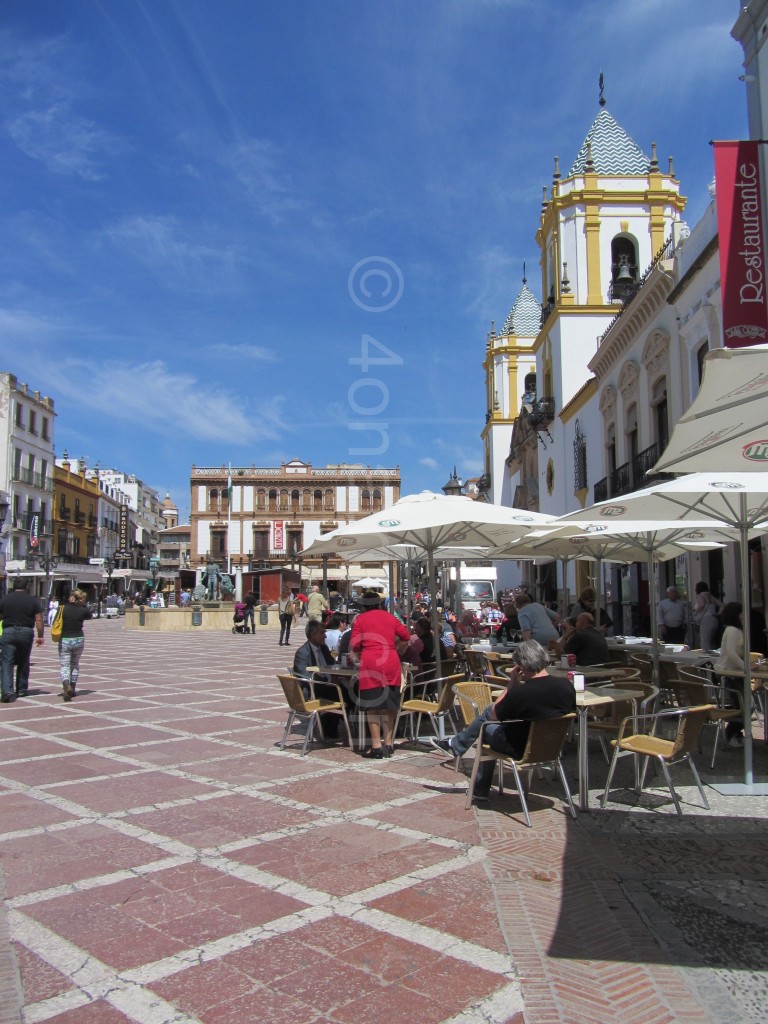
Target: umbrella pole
{"x": 436, "y": 631}
{"x": 654, "y": 616}
{"x": 598, "y": 591}
{"x": 392, "y": 587}
{"x": 745, "y": 618}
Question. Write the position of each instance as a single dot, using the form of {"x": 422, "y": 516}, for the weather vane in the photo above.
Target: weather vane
{"x": 602, "y": 83}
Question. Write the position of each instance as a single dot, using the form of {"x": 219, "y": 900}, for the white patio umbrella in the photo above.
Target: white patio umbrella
{"x": 430, "y": 522}
{"x": 565, "y": 545}
{"x": 707, "y": 502}
{"x": 726, "y": 427}
{"x": 374, "y": 582}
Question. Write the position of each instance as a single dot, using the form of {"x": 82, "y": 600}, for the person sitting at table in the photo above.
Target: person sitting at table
{"x": 536, "y": 621}
{"x": 412, "y": 653}
{"x": 730, "y": 665}
{"x": 587, "y": 644}
{"x": 333, "y": 633}
{"x": 468, "y": 628}
{"x": 377, "y": 638}
{"x": 586, "y": 603}
{"x": 532, "y": 695}
{"x": 316, "y": 652}
{"x": 671, "y": 618}
{"x": 510, "y": 627}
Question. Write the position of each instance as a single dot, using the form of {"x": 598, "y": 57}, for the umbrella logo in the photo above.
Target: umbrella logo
{"x": 595, "y": 529}
{"x": 755, "y": 451}
{"x": 523, "y": 519}
{"x": 693, "y": 535}
{"x": 727, "y": 485}
{"x": 389, "y": 522}
{"x": 614, "y": 510}
{"x": 581, "y": 540}
{"x": 346, "y": 542}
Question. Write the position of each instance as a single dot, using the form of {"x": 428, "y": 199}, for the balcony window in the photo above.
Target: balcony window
{"x": 45, "y": 432}
{"x": 661, "y": 412}
{"x": 19, "y": 416}
{"x": 579, "y": 461}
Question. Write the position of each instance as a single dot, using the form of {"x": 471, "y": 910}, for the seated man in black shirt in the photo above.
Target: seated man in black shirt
{"x": 531, "y": 696}
{"x": 584, "y": 641}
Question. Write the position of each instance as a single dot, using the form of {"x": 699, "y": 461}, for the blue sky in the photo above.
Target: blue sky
{"x": 208, "y": 206}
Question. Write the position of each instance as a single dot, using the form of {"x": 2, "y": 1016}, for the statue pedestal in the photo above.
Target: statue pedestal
{"x": 211, "y": 604}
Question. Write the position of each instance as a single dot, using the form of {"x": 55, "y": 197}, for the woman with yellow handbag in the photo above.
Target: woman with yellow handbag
{"x": 72, "y": 642}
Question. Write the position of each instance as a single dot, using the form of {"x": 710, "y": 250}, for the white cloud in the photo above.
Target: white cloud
{"x": 163, "y": 245}
{"x": 252, "y": 353}
{"x": 430, "y": 463}
{"x": 255, "y": 164}
{"x": 149, "y": 396}
{"x": 62, "y": 140}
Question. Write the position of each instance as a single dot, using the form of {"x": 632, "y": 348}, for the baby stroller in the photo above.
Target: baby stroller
{"x": 239, "y": 619}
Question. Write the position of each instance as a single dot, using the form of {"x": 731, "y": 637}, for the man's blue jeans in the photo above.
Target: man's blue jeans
{"x": 15, "y": 649}
{"x": 495, "y": 736}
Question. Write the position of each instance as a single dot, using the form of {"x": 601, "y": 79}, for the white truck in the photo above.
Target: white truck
{"x": 478, "y": 584}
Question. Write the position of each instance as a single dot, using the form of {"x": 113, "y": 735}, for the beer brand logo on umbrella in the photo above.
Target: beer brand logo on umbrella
{"x": 346, "y": 542}
{"x": 389, "y": 522}
{"x": 594, "y": 529}
{"x": 756, "y": 451}
{"x": 522, "y": 519}
{"x": 613, "y": 510}
{"x": 582, "y": 540}
{"x": 727, "y": 485}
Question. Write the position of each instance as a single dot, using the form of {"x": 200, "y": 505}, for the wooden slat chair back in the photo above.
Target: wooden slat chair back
{"x": 544, "y": 748}
{"x": 727, "y": 704}
{"x": 309, "y": 709}
{"x": 664, "y": 752}
{"x": 476, "y": 664}
{"x": 436, "y": 710}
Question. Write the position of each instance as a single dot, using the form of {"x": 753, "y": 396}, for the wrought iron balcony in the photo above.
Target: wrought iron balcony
{"x": 632, "y": 475}
{"x": 542, "y": 413}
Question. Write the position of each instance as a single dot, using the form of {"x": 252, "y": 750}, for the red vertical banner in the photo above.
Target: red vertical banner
{"x": 742, "y": 246}
{"x": 279, "y": 526}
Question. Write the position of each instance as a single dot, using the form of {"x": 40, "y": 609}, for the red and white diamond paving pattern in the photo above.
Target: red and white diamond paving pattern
{"x": 165, "y": 863}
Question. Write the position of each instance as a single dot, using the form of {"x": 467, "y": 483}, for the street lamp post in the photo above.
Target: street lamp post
{"x": 154, "y": 569}
{"x": 108, "y": 565}
{"x": 46, "y": 561}
{"x": 4, "y": 506}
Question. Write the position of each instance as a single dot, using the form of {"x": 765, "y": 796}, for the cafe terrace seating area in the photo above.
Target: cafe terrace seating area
{"x": 665, "y": 725}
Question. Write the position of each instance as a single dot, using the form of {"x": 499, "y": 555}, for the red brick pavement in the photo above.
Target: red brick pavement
{"x": 166, "y": 864}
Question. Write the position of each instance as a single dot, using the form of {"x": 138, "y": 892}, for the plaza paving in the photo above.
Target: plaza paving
{"x": 164, "y": 862}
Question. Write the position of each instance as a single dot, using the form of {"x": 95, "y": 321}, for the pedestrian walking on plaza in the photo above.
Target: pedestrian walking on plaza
{"x": 21, "y": 615}
{"x": 706, "y": 615}
{"x": 317, "y": 603}
{"x": 671, "y": 617}
{"x": 250, "y": 601}
{"x": 286, "y": 610}
{"x": 72, "y": 642}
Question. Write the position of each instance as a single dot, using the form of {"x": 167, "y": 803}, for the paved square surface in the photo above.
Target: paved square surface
{"x": 165, "y": 863}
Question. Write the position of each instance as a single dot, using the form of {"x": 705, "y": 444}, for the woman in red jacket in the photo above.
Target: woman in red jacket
{"x": 376, "y": 640}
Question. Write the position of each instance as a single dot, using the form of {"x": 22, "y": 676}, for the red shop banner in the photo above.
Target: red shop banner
{"x": 279, "y": 527}
{"x": 742, "y": 248}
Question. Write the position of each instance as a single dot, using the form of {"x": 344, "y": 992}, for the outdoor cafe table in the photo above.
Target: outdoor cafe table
{"x": 345, "y": 677}
{"x": 584, "y": 701}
